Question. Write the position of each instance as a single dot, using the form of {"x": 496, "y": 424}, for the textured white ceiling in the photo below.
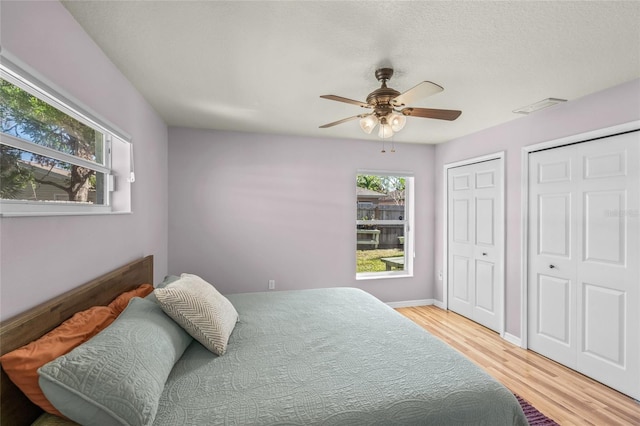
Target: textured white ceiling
{"x": 261, "y": 66}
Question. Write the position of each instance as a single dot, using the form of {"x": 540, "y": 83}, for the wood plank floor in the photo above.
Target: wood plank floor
{"x": 560, "y": 393}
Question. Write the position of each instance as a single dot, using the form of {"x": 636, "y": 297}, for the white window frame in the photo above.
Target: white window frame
{"x": 20, "y": 75}
{"x": 408, "y": 222}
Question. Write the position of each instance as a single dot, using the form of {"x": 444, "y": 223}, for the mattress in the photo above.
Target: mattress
{"x": 330, "y": 357}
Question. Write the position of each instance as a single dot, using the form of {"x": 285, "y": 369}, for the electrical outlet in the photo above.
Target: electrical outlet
{"x": 440, "y": 275}
{"x": 272, "y": 284}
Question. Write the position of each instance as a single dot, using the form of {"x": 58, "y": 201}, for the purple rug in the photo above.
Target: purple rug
{"x": 534, "y": 417}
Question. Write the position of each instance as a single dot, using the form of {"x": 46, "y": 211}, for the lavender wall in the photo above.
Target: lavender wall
{"x": 245, "y": 208}
{"x": 617, "y": 105}
{"x": 43, "y": 257}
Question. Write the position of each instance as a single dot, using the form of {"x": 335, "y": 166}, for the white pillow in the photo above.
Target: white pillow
{"x": 200, "y": 309}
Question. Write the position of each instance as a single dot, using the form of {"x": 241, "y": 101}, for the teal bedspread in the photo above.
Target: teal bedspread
{"x": 330, "y": 357}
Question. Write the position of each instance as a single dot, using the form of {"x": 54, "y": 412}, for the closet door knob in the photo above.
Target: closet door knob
{"x": 551, "y": 266}
{"x": 484, "y": 254}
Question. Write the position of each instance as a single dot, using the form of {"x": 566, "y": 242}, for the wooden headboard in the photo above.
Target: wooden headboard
{"x": 15, "y": 408}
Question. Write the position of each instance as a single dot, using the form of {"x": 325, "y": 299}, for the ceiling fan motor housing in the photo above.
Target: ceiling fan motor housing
{"x": 381, "y": 98}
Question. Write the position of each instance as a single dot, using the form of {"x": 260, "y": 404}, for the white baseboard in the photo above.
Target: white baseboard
{"x": 514, "y": 340}
{"x": 438, "y": 303}
{"x": 412, "y": 303}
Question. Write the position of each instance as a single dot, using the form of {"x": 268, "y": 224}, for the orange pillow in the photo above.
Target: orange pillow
{"x": 21, "y": 365}
{"x": 120, "y": 303}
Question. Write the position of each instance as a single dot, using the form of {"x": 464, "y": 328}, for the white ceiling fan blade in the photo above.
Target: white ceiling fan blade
{"x": 422, "y": 90}
{"x": 344, "y": 120}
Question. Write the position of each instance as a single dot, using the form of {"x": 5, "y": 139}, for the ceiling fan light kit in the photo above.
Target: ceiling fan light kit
{"x": 368, "y": 123}
{"x": 397, "y": 121}
{"x": 389, "y": 106}
{"x": 385, "y": 130}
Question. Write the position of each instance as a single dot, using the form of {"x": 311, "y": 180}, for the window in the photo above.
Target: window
{"x": 384, "y": 212}
{"x": 54, "y": 158}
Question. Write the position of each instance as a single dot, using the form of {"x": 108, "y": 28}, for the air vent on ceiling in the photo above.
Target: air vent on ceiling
{"x": 545, "y": 103}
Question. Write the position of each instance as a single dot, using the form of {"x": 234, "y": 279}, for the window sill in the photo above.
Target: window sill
{"x": 382, "y": 275}
{"x": 45, "y": 214}
{"x": 22, "y": 208}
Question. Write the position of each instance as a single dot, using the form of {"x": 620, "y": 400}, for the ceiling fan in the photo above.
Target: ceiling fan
{"x": 389, "y": 106}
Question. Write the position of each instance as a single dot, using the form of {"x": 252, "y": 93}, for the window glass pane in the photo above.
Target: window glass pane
{"x": 380, "y": 223}
{"x": 380, "y": 197}
{"x": 30, "y": 177}
{"x": 26, "y": 117}
{"x": 378, "y": 260}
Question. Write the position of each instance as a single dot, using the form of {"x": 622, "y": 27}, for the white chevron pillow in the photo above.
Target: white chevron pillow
{"x": 200, "y": 309}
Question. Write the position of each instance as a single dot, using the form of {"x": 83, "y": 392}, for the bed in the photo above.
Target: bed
{"x": 327, "y": 356}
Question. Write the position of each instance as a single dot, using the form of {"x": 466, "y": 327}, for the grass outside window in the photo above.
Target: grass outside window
{"x": 369, "y": 260}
